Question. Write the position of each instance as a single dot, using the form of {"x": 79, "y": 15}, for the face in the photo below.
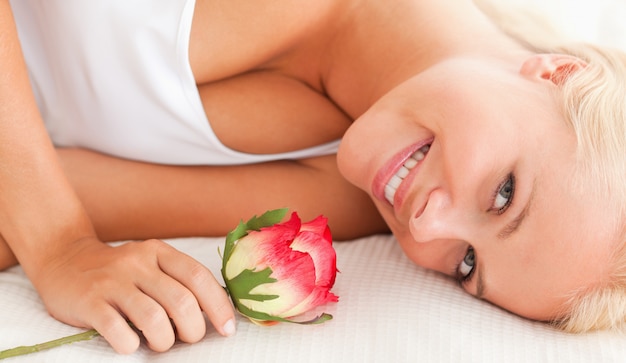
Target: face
{"x": 472, "y": 169}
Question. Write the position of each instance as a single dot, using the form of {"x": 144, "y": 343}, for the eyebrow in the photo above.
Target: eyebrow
{"x": 480, "y": 283}
{"x": 504, "y": 233}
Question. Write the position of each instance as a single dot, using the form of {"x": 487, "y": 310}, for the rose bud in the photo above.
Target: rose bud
{"x": 276, "y": 271}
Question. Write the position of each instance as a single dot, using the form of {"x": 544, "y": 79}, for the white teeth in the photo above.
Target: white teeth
{"x": 403, "y": 172}
{"x": 390, "y": 192}
{"x": 395, "y": 181}
{"x": 410, "y": 163}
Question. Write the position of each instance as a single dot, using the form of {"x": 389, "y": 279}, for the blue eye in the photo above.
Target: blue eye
{"x": 466, "y": 267}
{"x": 504, "y": 195}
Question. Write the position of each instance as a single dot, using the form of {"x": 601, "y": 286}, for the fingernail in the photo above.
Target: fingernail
{"x": 229, "y": 328}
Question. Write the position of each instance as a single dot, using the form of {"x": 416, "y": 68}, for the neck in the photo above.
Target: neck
{"x": 380, "y": 46}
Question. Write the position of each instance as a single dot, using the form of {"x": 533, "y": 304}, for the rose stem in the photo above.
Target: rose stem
{"x": 90, "y": 334}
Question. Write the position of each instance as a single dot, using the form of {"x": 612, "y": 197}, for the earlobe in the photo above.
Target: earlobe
{"x": 555, "y": 68}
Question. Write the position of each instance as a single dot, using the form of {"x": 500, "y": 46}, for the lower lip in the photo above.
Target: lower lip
{"x": 391, "y": 167}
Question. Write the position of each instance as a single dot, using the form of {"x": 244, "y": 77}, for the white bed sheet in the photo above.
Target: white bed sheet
{"x": 389, "y": 309}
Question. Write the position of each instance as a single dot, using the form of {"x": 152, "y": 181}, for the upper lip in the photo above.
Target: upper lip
{"x": 391, "y": 167}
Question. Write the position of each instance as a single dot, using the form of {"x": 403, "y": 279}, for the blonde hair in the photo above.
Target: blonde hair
{"x": 593, "y": 101}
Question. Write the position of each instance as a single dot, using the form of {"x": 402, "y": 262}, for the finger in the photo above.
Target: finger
{"x": 210, "y": 295}
{"x": 180, "y": 305}
{"x": 114, "y": 329}
{"x": 150, "y": 318}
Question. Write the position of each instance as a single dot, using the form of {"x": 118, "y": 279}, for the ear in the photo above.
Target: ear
{"x": 555, "y": 68}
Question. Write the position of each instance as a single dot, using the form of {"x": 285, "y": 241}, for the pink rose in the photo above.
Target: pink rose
{"x": 276, "y": 271}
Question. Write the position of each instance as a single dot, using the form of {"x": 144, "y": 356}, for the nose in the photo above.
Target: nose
{"x": 440, "y": 220}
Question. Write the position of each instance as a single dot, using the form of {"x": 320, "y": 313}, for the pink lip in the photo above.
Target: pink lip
{"x": 391, "y": 167}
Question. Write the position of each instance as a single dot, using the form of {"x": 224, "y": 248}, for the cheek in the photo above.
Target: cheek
{"x": 370, "y": 140}
{"x": 438, "y": 256}
{"x": 345, "y": 159}
{"x": 353, "y": 158}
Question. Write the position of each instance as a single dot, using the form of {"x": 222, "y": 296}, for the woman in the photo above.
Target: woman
{"x": 462, "y": 139}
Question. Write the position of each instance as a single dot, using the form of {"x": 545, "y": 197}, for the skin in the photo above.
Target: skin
{"x": 332, "y": 61}
{"x": 448, "y": 202}
{"x": 87, "y": 283}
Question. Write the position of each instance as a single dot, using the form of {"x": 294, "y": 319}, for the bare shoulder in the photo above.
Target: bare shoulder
{"x": 230, "y": 37}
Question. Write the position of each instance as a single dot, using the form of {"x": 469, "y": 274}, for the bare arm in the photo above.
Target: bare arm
{"x": 257, "y": 112}
{"x": 81, "y": 280}
{"x": 128, "y": 199}
{"x": 33, "y": 185}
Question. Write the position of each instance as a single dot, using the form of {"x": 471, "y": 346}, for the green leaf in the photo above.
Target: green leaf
{"x": 267, "y": 317}
{"x": 267, "y": 219}
{"x": 317, "y": 320}
{"x": 255, "y": 223}
{"x": 241, "y": 285}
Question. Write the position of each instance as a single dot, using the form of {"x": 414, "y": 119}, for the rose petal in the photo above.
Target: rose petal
{"x": 295, "y": 275}
{"x": 319, "y": 296}
{"x": 302, "y": 261}
{"x": 251, "y": 252}
{"x": 319, "y": 226}
{"x": 323, "y": 255}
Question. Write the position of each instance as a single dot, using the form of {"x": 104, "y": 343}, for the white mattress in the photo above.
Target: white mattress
{"x": 389, "y": 309}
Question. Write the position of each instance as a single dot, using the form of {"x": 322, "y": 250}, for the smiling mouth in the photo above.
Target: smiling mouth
{"x": 396, "y": 180}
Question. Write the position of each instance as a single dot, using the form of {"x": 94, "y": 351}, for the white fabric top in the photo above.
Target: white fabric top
{"x": 114, "y": 76}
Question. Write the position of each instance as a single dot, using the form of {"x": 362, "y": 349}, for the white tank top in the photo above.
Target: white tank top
{"x": 114, "y": 76}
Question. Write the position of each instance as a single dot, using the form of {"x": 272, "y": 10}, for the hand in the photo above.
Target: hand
{"x": 148, "y": 283}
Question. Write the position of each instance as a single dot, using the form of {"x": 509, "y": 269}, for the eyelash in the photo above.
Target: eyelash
{"x": 463, "y": 280}
{"x": 509, "y": 178}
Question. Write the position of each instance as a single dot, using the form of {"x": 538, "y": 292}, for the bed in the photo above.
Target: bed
{"x": 389, "y": 310}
